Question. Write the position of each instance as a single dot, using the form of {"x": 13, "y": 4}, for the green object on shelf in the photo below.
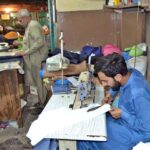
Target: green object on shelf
{"x": 134, "y": 51}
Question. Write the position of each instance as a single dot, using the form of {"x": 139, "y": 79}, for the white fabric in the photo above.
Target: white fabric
{"x": 56, "y": 63}
{"x": 142, "y": 146}
{"x": 10, "y": 66}
{"x": 139, "y": 63}
{"x": 52, "y": 122}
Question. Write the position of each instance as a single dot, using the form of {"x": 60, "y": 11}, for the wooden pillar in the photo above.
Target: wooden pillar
{"x": 10, "y": 105}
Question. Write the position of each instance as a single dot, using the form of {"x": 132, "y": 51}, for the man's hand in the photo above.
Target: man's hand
{"x": 107, "y": 99}
{"x": 115, "y": 112}
{"x": 20, "y": 53}
{"x": 16, "y": 43}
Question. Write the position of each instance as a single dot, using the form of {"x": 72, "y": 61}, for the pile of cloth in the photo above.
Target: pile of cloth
{"x": 135, "y": 56}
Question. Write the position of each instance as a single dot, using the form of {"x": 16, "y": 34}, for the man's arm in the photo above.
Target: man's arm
{"x": 109, "y": 97}
{"x": 140, "y": 120}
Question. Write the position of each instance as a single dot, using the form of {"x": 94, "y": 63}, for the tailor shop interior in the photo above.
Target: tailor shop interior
{"x": 74, "y": 34}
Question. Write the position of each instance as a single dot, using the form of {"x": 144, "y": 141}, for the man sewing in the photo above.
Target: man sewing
{"x": 129, "y": 123}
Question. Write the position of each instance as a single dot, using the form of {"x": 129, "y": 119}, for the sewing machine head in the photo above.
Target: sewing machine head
{"x": 86, "y": 87}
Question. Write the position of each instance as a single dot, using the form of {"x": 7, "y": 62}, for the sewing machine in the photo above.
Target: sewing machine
{"x": 67, "y": 138}
{"x": 86, "y": 88}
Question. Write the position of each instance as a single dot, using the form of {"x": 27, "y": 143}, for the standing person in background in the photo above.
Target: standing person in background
{"x": 34, "y": 52}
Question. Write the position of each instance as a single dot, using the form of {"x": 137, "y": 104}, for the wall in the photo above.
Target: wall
{"x": 81, "y": 28}
{"x": 100, "y": 27}
{"x": 78, "y": 5}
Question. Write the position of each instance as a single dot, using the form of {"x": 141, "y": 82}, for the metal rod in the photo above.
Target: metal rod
{"x": 61, "y": 63}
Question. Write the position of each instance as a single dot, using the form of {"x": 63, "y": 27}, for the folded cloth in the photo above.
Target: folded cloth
{"x": 74, "y": 57}
{"x": 109, "y": 49}
{"x": 56, "y": 63}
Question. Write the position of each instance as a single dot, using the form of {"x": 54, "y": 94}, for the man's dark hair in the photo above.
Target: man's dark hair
{"x": 111, "y": 65}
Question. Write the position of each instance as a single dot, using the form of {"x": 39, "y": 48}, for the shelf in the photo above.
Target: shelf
{"x": 131, "y": 7}
{"x": 123, "y": 6}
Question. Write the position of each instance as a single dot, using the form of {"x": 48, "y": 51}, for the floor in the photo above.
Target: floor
{"x": 12, "y": 138}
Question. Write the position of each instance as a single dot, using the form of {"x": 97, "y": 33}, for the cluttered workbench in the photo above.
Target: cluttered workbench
{"x": 74, "y": 111}
{"x": 10, "y": 109}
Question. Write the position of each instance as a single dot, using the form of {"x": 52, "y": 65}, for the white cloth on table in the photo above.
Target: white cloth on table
{"x": 52, "y": 122}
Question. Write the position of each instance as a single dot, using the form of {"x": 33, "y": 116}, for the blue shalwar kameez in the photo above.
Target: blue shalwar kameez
{"x": 134, "y": 124}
